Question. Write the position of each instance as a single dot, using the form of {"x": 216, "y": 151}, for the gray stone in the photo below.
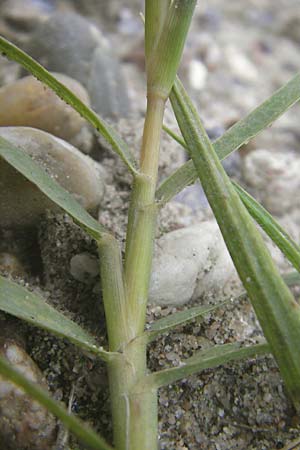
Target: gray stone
{"x": 275, "y": 179}
{"x": 84, "y": 267}
{"x": 24, "y": 423}
{"x": 70, "y": 44}
{"x": 29, "y": 103}
{"x": 192, "y": 262}
{"x": 21, "y": 203}
{"x": 24, "y": 16}
{"x": 9, "y": 263}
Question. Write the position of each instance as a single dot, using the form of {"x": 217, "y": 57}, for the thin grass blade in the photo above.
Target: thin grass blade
{"x": 291, "y": 278}
{"x": 179, "y": 318}
{"x": 156, "y": 12}
{"x": 207, "y": 359}
{"x": 278, "y": 235}
{"x": 118, "y": 145}
{"x": 27, "y": 167}
{"x": 275, "y": 307}
{"x": 75, "y": 425}
{"x": 173, "y": 320}
{"x": 28, "y": 306}
{"x": 163, "y": 61}
{"x": 239, "y": 134}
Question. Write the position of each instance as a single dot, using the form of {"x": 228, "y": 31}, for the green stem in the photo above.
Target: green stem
{"x": 119, "y": 333}
{"x": 142, "y": 216}
{"x": 134, "y": 411}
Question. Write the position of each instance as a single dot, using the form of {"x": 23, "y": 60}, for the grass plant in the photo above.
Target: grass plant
{"x": 125, "y": 278}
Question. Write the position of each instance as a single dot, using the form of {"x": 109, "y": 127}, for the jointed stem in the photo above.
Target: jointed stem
{"x": 125, "y": 299}
{"x": 142, "y": 216}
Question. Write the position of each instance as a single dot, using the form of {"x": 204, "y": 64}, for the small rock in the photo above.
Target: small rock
{"x": 240, "y": 65}
{"x": 291, "y": 27}
{"x": 9, "y": 263}
{"x": 192, "y": 262}
{"x": 24, "y": 16}
{"x": 29, "y": 103}
{"x": 197, "y": 74}
{"x": 84, "y": 267}
{"x": 24, "y": 423}
{"x": 70, "y": 44}
{"x": 21, "y": 203}
{"x": 275, "y": 179}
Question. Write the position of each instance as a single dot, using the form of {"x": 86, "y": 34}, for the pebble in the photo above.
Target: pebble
{"x": 84, "y": 267}
{"x": 70, "y": 44}
{"x": 25, "y": 16}
{"x": 291, "y": 27}
{"x": 240, "y": 65}
{"x": 21, "y": 203}
{"x": 275, "y": 179}
{"x": 197, "y": 74}
{"x": 10, "y": 263}
{"x": 29, "y": 103}
{"x": 24, "y": 423}
{"x": 192, "y": 262}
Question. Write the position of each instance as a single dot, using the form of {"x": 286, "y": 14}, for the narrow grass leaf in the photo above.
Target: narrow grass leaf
{"x": 173, "y": 320}
{"x": 240, "y": 133}
{"x": 75, "y": 425}
{"x": 163, "y": 61}
{"x": 207, "y": 359}
{"x": 27, "y": 167}
{"x": 179, "y": 318}
{"x": 278, "y": 235}
{"x": 291, "y": 278}
{"x": 155, "y": 13}
{"x": 28, "y": 306}
{"x": 245, "y": 129}
{"x": 275, "y": 307}
{"x": 118, "y": 145}
{"x": 271, "y": 227}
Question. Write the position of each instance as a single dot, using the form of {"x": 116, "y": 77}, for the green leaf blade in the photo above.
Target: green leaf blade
{"x": 275, "y": 307}
{"x": 278, "y": 235}
{"x": 75, "y": 425}
{"x": 164, "y": 58}
{"x": 119, "y": 146}
{"x": 256, "y": 121}
{"x": 207, "y": 359}
{"x": 27, "y": 167}
{"x": 173, "y": 320}
{"x": 28, "y": 306}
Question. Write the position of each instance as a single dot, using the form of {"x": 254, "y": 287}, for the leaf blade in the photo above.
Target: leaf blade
{"x": 173, "y": 320}
{"x": 256, "y": 121}
{"x": 27, "y": 167}
{"x": 206, "y": 359}
{"x": 12, "y": 52}
{"x": 272, "y": 228}
{"x": 275, "y": 307}
{"x": 82, "y": 431}
{"x": 28, "y": 306}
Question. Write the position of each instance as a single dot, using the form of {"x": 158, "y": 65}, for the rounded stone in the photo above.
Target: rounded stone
{"x": 192, "y": 262}
{"x": 275, "y": 179}
{"x": 70, "y": 44}
{"x": 24, "y": 423}
{"x": 84, "y": 267}
{"x": 22, "y": 203}
{"x": 10, "y": 263}
{"x": 29, "y": 103}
